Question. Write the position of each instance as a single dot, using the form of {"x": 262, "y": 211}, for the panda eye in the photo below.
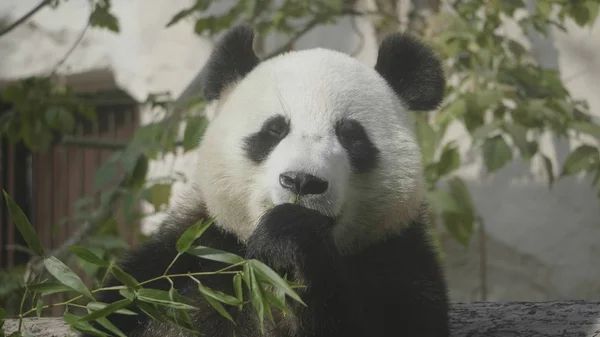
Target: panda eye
{"x": 349, "y": 132}
{"x": 277, "y": 127}
{"x": 353, "y": 137}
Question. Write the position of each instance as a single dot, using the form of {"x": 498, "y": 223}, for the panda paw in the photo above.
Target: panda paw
{"x": 292, "y": 239}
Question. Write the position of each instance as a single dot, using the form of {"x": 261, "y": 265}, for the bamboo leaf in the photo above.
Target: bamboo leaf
{"x": 82, "y": 326}
{"x": 124, "y": 277}
{"x": 191, "y": 234}
{"x": 161, "y": 297}
{"x": 48, "y": 288}
{"x": 582, "y": 158}
{"x": 272, "y": 277}
{"x": 106, "y": 310}
{"x": 88, "y": 256}
{"x": 215, "y": 255}
{"x": 23, "y": 225}
{"x": 496, "y": 153}
{"x": 218, "y": 307}
{"x": 66, "y": 276}
{"x": 218, "y": 295}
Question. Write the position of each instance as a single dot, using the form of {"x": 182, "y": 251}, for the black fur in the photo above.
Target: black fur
{"x": 412, "y": 70}
{"x": 258, "y": 145}
{"x": 395, "y": 287}
{"x": 364, "y": 155}
{"x": 231, "y": 59}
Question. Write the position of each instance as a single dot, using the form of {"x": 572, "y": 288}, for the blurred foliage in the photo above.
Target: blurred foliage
{"x": 500, "y": 94}
{"x": 497, "y": 92}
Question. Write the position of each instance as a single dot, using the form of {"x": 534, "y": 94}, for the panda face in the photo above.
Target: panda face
{"x": 318, "y": 128}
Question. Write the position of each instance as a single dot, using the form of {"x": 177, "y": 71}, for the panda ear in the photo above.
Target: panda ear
{"x": 412, "y": 70}
{"x": 231, "y": 59}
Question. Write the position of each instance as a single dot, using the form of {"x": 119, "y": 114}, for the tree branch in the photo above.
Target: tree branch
{"x": 24, "y": 18}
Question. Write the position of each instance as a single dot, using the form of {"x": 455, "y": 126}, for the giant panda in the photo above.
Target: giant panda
{"x": 309, "y": 165}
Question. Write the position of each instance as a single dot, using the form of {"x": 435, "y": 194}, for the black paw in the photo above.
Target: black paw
{"x": 292, "y": 239}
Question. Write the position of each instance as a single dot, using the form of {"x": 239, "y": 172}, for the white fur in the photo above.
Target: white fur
{"x": 314, "y": 89}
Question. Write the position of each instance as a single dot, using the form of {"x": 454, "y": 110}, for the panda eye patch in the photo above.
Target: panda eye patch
{"x": 258, "y": 145}
{"x": 277, "y": 127}
{"x": 353, "y": 137}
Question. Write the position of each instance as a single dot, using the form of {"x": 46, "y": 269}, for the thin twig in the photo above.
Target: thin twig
{"x": 24, "y": 18}
{"x": 70, "y": 51}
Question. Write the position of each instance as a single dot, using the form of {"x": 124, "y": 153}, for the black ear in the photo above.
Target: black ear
{"x": 231, "y": 59}
{"x": 412, "y": 70}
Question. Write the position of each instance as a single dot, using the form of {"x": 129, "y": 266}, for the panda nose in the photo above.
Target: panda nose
{"x": 302, "y": 183}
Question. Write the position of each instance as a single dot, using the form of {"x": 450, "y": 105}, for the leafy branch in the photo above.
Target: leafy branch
{"x": 259, "y": 279}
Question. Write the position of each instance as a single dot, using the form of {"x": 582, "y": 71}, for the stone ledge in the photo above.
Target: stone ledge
{"x": 479, "y": 319}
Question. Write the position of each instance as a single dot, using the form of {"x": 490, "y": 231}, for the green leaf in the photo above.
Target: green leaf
{"x": 278, "y": 302}
{"x": 449, "y": 160}
{"x": 160, "y": 195}
{"x": 48, "y": 288}
{"x": 161, "y": 297}
{"x": 256, "y": 296}
{"x": 23, "y": 225}
{"x": 191, "y": 234}
{"x": 460, "y": 192}
{"x": 215, "y": 255}
{"x": 101, "y": 17}
{"x": 587, "y": 127}
{"x": 496, "y": 153}
{"x": 110, "y": 327}
{"x": 272, "y": 277}
{"x": 593, "y": 8}
{"x": 459, "y": 227}
{"x": 94, "y": 306}
{"x": 460, "y": 224}
{"x": 583, "y": 12}
{"x": 237, "y": 288}
{"x": 194, "y": 130}
{"x": 518, "y": 134}
{"x": 140, "y": 169}
{"x": 128, "y": 294}
{"x": 151, "y": 311}
{"x": 582, "y": 158}
{"x": 219, "y": 295}
{"x": 106, "y": 310}
{"x": 82, "y": 326}
{"x": 105, "y": 174}
{"x": 39, "y": 307}
{"x": 215, "y": 304}
{"x": 443, "y": 201}
{"x": 124, "y": 277}
{"x": 426, "y": 137}
{"x": 66, "y": 276}
{"x": 59, "y": 119}
{"x": 482, "y": 132}
{"x": 88, "y": 256}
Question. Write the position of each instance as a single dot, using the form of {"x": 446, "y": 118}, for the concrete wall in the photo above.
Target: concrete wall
{"x": 542, "y": 244}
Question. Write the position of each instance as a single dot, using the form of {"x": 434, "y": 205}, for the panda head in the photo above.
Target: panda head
{"x": 319, "y": 128}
